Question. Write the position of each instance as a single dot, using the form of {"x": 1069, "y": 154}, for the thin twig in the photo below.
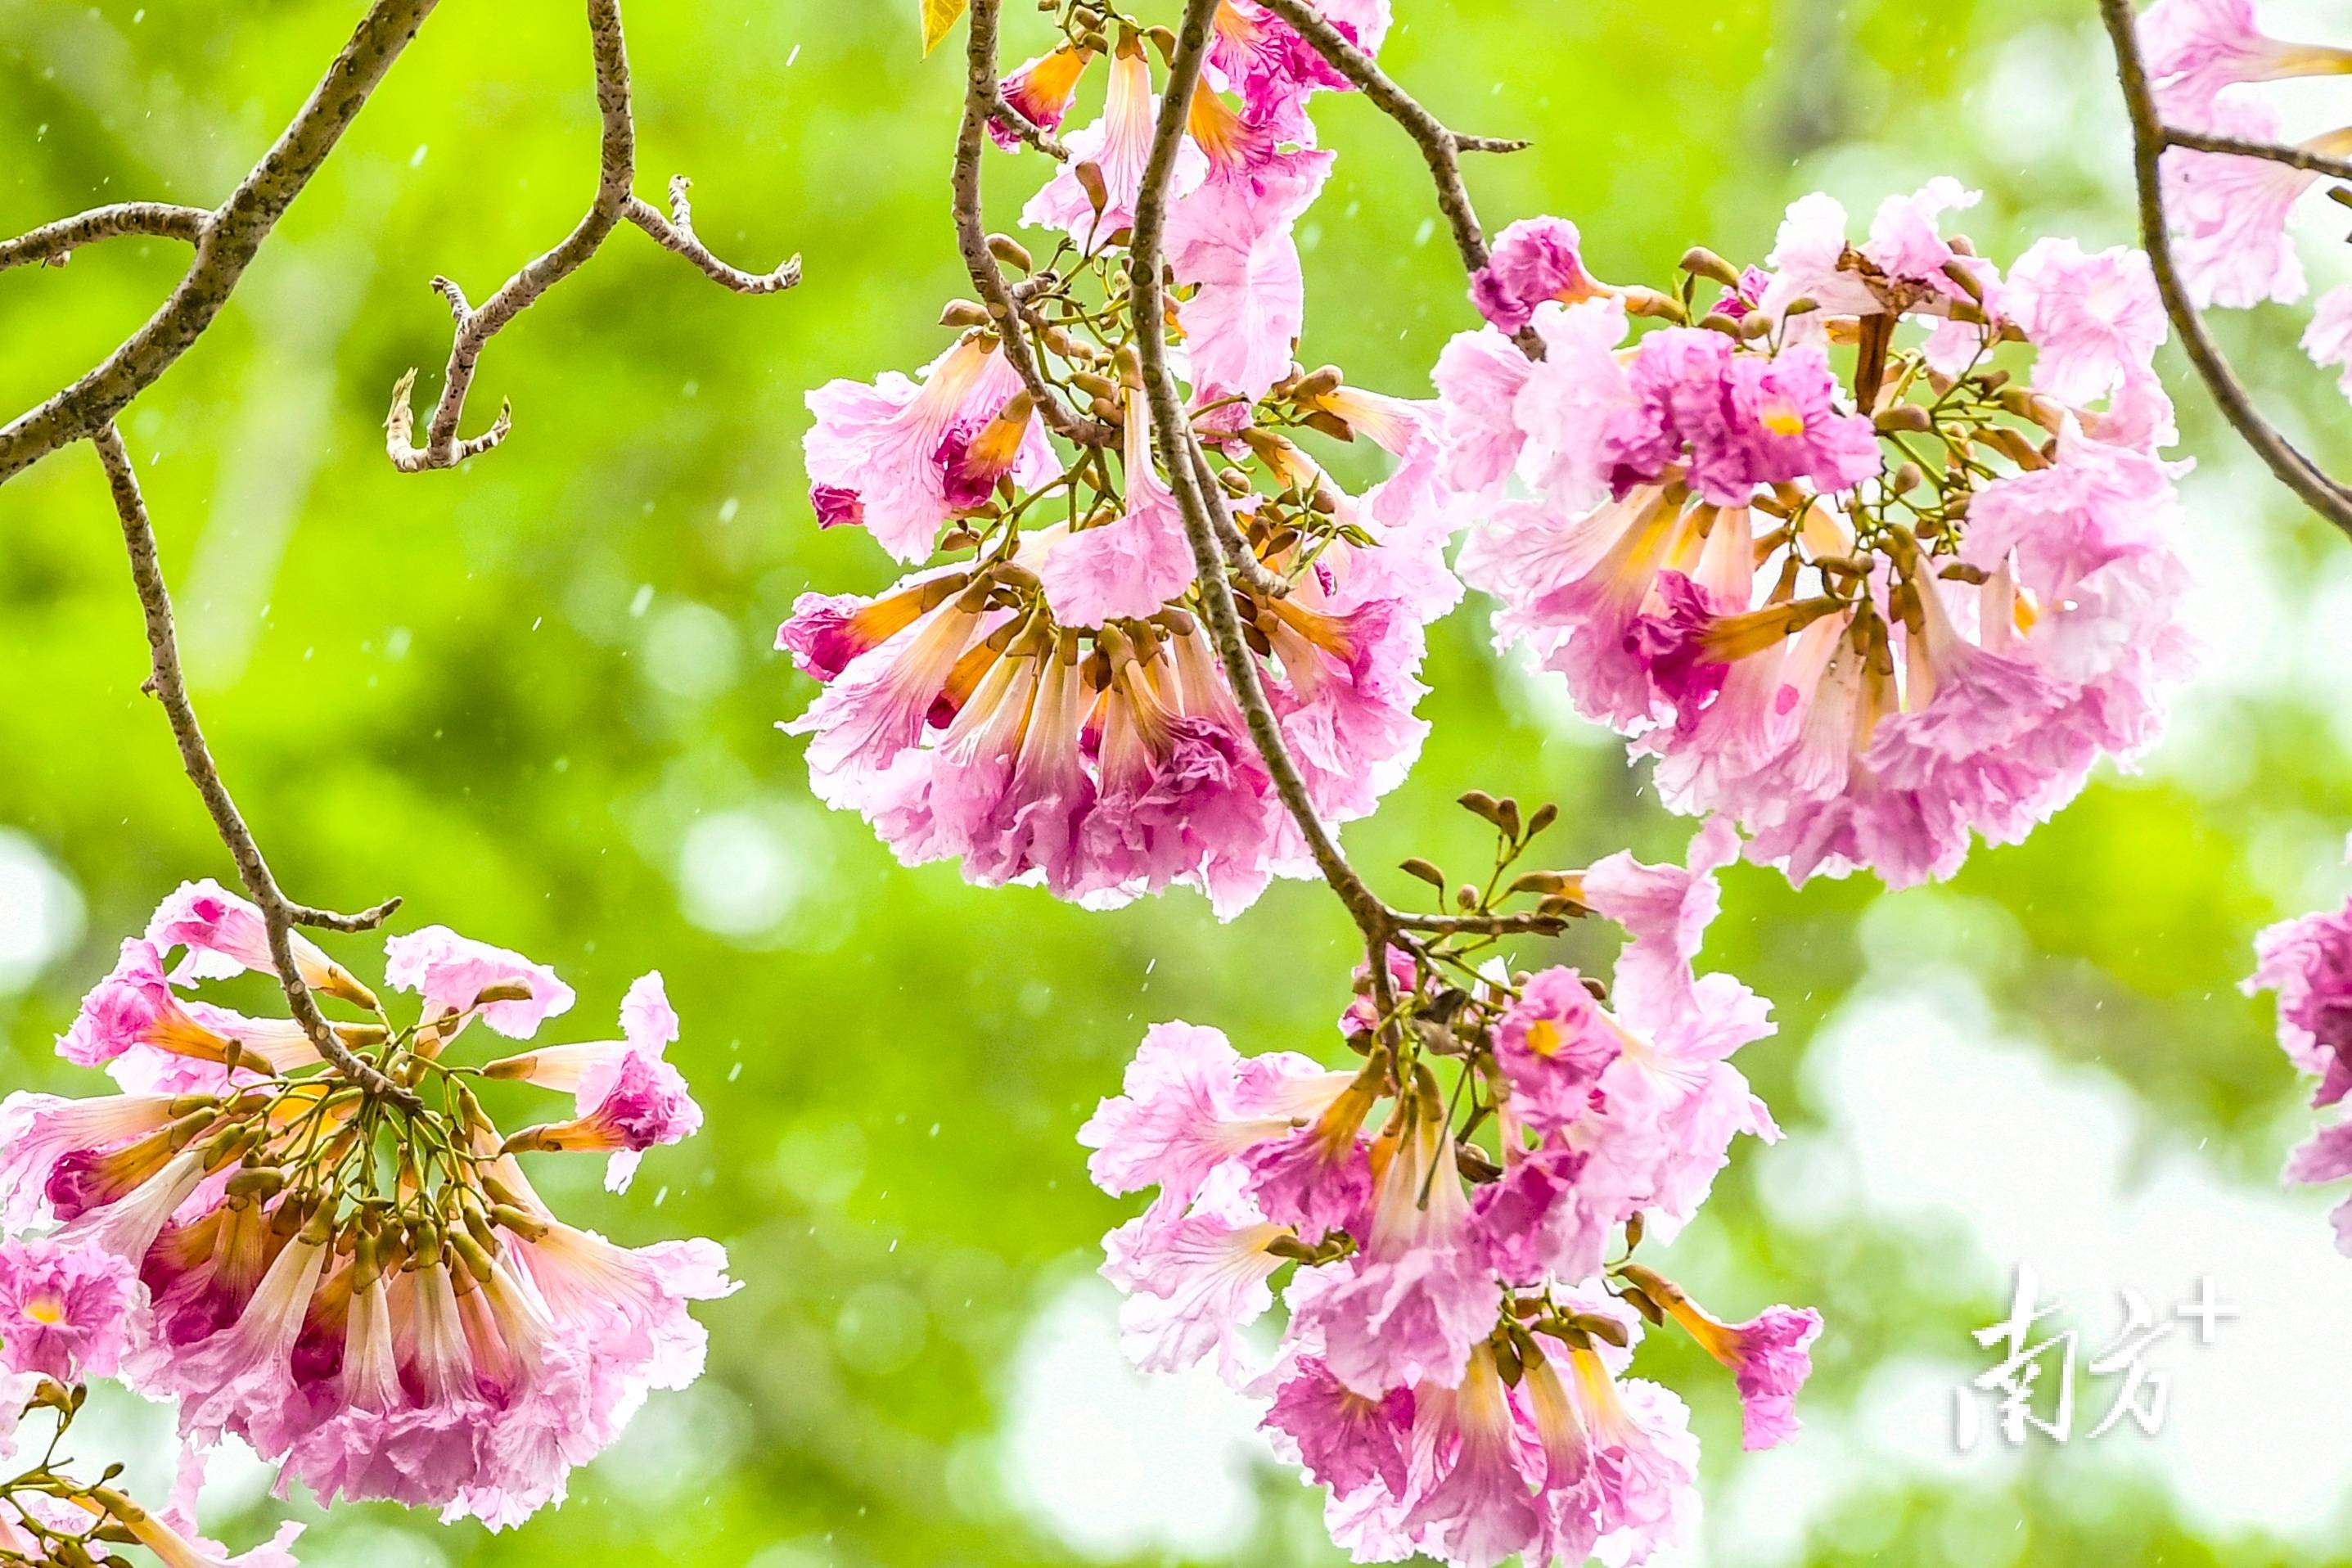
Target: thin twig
{"x": 328, "y": 920}
{"x": 1254, "y": 573}
{"x": 1441, "y": 148}
{"x": 54, "y": 243}
{"x": 2293, "y": 469}
{"x": 981, "y": 93}
{"x": 1481, "y": 925}
{"x": 170, "y": 686}
{"x": 1021, "y": 125}
{"x": 614, "y": 204}
{"x": 675, "y": 233}
{"x": 2238, "y": 146}
{"x": 1173, "y": 434}
{"x": 226, "y": 247}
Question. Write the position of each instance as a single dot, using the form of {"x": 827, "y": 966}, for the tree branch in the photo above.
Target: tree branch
{"x": 169, "y": 684}
{"x": 982, "y": 96}
{"x": 226, "y": 246}
{"x": 2293, "y": 157}
{"x": 2149, "y": 137}
{"x": 614, "y": 203}
{"x": 1020, "y": 124}
{"x": 675, "y": 233}
{"x": 1441, "y": 149}
{"x": 54, "y": 243}
{"x": 1173, "y": 433}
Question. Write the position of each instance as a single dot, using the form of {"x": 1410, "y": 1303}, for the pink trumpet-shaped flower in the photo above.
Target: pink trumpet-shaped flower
{"x": 226, "y": 935}
{"x": 1231, "y": 240}
{"x": 1040, "y": 90}
{"x": 1480, "y": 1511}
{"x": 1533, "y": 260}
{"x": 1190, "y": 1104}
{"x": 1553, "y": 1046}
{"x": 1343, "y": 1440}
{"x": 1193, "y": 1281}
{"x": 2197, "y": 49}
{"x": 1770, "y": 1356}
{"x": 1118, "y": 145}
{"x": 1420, "y": 1296}
{"x": 2328, "y": 338}
{"x": 2229, "y": 213}
{"x": 629, "y": 1098}
{"x": 902, "y": 459}
{"x": 1130, "y": 567}
{"x": 2092, "y": 319}
{"x": 135, "y": 1009}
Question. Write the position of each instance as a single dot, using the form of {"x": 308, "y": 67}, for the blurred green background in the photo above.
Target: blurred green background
{"x": 536, "y": 698}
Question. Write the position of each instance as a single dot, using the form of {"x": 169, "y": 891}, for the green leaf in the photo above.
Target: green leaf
{"x": 938, "y": 15}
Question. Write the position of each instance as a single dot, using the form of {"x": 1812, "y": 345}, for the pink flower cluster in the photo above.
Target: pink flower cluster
{"x": 2230, "y": 215}
{"x": 2307, "y": 963}
{"x": 1052, "y": 710}
{"x": 1453, "y": 1362}
{"x": 1862, "y": 636}
{"x": 221, "y": 1233}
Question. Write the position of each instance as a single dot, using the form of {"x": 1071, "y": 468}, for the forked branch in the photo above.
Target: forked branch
{"x": 1201, "y": 508}
{"x": 615, "y": 203}
{"x": 2151, "y": 137}
{"x": 169, "y": 685}
{"x": 225, "y": 242}
{"x": 984, "y": 99}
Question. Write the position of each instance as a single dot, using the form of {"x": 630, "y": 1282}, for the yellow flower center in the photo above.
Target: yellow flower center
{"x": 48, "y": 1309}
{"x": 1543, "y": 1037}
{"x": 1780, "y": 417}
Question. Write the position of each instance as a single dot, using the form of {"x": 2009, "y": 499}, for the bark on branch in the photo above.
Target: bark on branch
{"x": 226, "y": 245}
{"x": 54, "y": 243}
{"x": 170, "y": 687}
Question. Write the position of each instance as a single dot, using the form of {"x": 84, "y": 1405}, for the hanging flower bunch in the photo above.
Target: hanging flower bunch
{"x": 1872, "y": 547}
{"x": 1459, "y": 1213}
{"x": 365, "y": 1289}
{"x": 1039, "y": 699}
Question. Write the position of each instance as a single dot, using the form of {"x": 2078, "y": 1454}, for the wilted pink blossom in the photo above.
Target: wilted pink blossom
{"x": 65, "y": 1312}
{"x": 451, "y": 973}
{"x": 1533, "y": 260}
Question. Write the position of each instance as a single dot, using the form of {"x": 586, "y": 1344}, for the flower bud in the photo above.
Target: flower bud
{"x": 1701, "y": 262}
{"x": 1010, "y": 252}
